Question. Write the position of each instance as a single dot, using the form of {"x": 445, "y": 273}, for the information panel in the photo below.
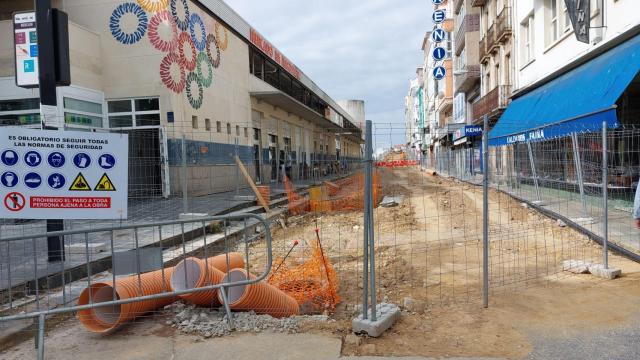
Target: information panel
{"x": 26, "y": 49}
{"x": 48, "y": 174}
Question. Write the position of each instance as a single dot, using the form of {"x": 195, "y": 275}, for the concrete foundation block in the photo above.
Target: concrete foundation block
{"x": 387, "y": 315}
{"x": 599, "y": 271}
{"x": 576, "y": 266}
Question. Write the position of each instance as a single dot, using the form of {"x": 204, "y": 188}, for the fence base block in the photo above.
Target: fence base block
{"x": 387, "y": 315}
{"x": 599, "y": 271}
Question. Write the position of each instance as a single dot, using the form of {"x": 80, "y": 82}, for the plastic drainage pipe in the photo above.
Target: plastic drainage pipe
{"x": 108, "y": 318}
{"x": 260, "y": 297}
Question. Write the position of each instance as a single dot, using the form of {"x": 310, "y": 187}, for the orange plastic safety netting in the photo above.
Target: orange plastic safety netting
{"x": 310, "y": 279}
{"x": 297, "y": 204}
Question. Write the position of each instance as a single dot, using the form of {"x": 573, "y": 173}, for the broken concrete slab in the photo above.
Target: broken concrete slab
{"x": 606, "y": 273}
{"x": 391, "y": 201}
{"x": 387, "y": 315}
{"x": 576, "y": 266}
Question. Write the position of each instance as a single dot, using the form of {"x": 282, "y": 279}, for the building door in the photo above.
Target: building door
{"x": 257, "y": 153}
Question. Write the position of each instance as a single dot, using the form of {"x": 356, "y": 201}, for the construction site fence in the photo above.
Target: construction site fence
{"x": 127, "y": 279}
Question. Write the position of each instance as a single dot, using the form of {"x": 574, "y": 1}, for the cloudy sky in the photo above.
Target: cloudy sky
{"x": 353, "y": 49}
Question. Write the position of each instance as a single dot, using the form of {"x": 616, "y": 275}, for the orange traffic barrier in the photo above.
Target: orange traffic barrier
{"x": 260, "y": 297}
{"x": 107, "y": 318}
{"x": 195, "y": 273}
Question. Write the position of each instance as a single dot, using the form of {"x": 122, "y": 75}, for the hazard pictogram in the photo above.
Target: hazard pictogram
{"x": 14, "y": 201}
{"x": 80, "y": 184}
{"x": 105, "y": 184}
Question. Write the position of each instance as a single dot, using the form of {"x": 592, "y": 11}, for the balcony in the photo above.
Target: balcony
{"x": 467, "y": 78}
{"x": 493, "y": 103}
{"x": 504, "y": 25}
{"x": 492, "y": 45}
{"x": 478, "y": 2}
{"x": 470, "y": 23}
{"x": 483, "y": 54}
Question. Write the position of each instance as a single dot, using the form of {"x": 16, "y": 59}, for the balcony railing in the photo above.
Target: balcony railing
{"x": 492, "y": 103}
{"x": 470, "y": 23}
{"x": 491, "y": 38}
{"x": 504, "y": 25}
{"x": 467, "y": 77}
{"x": 482, "y": 47}
{"x": 478, "y": 2}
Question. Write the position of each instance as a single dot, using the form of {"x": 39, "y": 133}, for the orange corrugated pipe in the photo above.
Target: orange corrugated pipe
{"x": 261, "y": 297}
{"x": 108, "y": 318}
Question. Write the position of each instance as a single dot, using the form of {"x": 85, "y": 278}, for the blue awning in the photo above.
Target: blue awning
{"x": 578, "y": 101}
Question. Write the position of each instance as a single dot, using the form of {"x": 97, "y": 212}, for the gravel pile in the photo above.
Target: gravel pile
{"x": 213, "y": 323}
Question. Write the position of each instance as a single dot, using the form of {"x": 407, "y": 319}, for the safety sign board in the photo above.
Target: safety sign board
{"x": 63, "y": 174}
{"x": 25, "y": 41}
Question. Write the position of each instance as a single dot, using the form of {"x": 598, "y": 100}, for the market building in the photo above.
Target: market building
{"x": 193, "y": 85}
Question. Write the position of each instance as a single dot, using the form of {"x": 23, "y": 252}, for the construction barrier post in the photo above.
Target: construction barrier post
{"x": 605, "y": 197}
{"x": 485, "y": 213}
{"x": 368, "y": 220}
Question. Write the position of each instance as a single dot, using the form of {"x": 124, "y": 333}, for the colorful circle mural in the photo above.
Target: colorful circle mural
{"x": 189, "y": 64}
{"x": 163, "y": 18}
{"x": 212, "y": 40}
{"x": 206, "y": 82}
{"x": 196, "y": 103}
{"x": 167, "y": 77}
{"x": 152, "y": 6}
{"x": 197, "y": 21}
{"x": 222, "y": 45}
{"x": 115, "y": 26}
{"x": 183, "y": 24}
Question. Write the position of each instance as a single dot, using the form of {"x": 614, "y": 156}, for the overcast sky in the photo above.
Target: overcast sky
{"x": 353, "y": 49}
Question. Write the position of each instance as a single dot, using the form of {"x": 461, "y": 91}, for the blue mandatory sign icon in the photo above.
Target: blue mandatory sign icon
{"x": 438, "y": 35}
{"x": 33, "y": 158}
{"x": 439, "y": 53}
{"x": 438, "y": 2}
{"x": 56, "y": 181}
{"x": 107, "y": 161}
{"x": 56, "y": 159}
{"x": 82, "y": 161}
{"x": 9, "y": 157}
{"x": 439, "y": 16}
{"x": 32, "y": 180}
{"x": 9, "y": 179}
{"x": 439, "y": 73}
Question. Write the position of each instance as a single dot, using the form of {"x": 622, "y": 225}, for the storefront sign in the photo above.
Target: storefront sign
{"x": 524, "y": 137}
{"x": 438, "y": 36}
{"x": 580, "y": 14}
{"x": 439, "y": 53}
{"x": 274, "y": 54}
{"x": 439, "y": 16}
{"x": 48, "y": 174}
{"x": 439, "y": 73}
{"x": 467, "y": 131}
{"x": 26, "y": 49}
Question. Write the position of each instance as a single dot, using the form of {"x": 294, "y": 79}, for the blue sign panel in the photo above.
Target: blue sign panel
{"x": 9, "y": 157}
{"x": 9, "y": 179}
{"x": 439, "y": 73}
{"x": 438, "y": 35}
{"x": 439, "y": 16}
{"x": 82, "y": 161}
{"x": 32, "y": 180}
{"x": 32, "y": 158}
{"x": 56, "y": 181}
{"x": 107, "y": 161}
{"x": 438, "y": 2}
{"x": 56, "y": 159}
{"x": 439, "y": 53}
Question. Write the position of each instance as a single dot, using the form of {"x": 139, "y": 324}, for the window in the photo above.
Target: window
{"x": 237, "y": 130}
{"x": 194, "y": 122}
{"x": 134, "y": 112}
{"x": 246, "y": 133}
{"x": 218, "y": 126}
{"x": 527, "y": 39}
{"x": 207, "y": 124}
{"x": 20, "y": 112}
{"x": 80, "y": 112}
{"x": 558, "y": 21}
{"x": 228, "y": 128}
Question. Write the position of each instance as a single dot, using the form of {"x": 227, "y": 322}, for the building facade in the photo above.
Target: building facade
{"x": 194, "y": 86}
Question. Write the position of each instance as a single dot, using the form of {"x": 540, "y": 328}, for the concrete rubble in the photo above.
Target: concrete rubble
{"x": 213, "y": 322}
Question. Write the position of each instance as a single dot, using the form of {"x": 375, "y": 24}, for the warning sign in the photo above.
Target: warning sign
{"x": 14, "y": 201}
{"x": 80, "y": 184}
{"x": 105, "y": 184}
{"x": 63, "y": 174}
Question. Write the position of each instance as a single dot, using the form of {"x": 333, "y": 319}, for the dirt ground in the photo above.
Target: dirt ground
{"x": 428, "y": 249}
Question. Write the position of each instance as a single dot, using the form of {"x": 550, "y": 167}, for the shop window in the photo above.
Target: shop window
{"x": 207, "y": 124}
{"x": 20, "y": 112}
{"x": 134, "y": 112}
{"x": 81, "y": 112}
{"x": 194, "y": 122}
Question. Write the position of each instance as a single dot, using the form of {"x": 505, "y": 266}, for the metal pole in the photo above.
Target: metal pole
{"x": 578, "y": 164}
{"x": 534, "y": 172}
{"x": 369, "y": 225}
{"x": 485, "y": 213}
{"x": 185, "y": 196}
{"x": 41, "y": 320}
{"x": 605, "y": 197}
{"x": 237, "y": 168}
{"x": 365, "y": 245}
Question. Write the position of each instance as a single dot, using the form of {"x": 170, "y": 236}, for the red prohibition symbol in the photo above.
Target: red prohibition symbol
{"x": 14, "y": 201}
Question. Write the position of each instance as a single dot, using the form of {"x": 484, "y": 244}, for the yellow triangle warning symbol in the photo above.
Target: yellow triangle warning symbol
{"x": 105, "y": 184}
{"x": 80, "y": 184}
